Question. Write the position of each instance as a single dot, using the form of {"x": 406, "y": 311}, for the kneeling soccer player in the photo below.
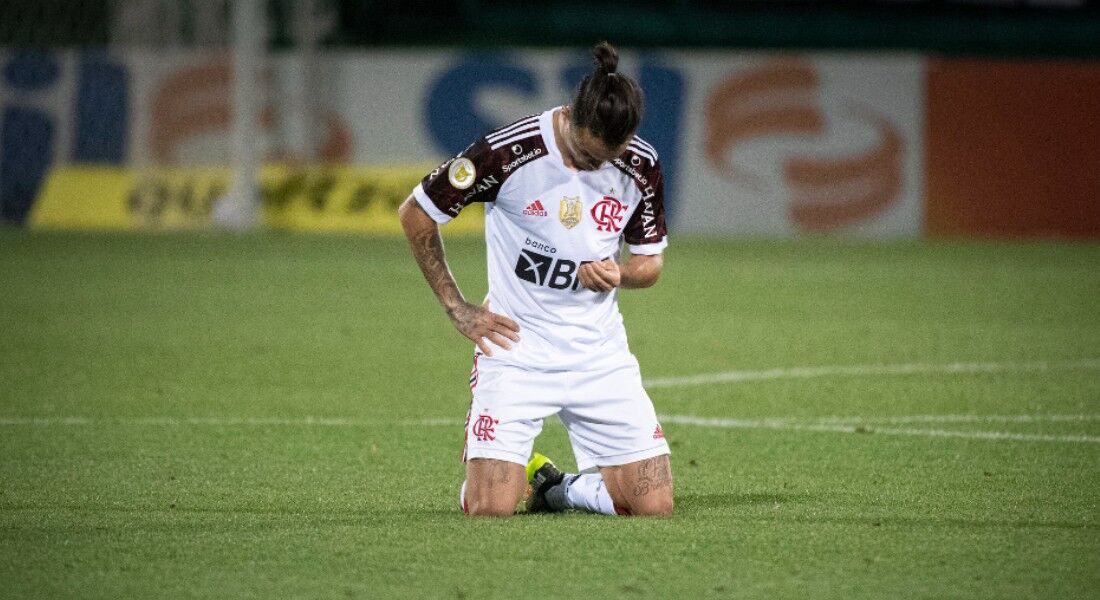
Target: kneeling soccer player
{"x": 563, "y": 190}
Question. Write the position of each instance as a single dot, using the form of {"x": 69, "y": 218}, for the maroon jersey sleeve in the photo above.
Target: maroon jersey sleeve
{"x": 645, "y": 232}
{"x": 473, "y": 176}
{"x": 478, "y": 173}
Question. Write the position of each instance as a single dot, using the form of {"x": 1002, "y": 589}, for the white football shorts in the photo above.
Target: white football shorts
{"x": 609, "y": 416}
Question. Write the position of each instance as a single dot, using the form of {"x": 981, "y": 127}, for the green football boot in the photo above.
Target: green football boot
{"x": 541, "y": 476}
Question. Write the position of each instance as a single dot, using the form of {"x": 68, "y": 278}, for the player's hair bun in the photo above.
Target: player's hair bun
{"x": 607, "y": 58}
{"x": 607, "y": 104}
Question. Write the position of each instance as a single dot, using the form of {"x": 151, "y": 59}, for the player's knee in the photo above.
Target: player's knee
{"x": 660, "y": 505}
{"x": 489, "y": 505}
{"x": 664, "y": 507}
{"x": 489, "y": 509}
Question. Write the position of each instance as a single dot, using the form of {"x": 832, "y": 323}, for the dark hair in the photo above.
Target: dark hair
{"x": 607, "y": 103}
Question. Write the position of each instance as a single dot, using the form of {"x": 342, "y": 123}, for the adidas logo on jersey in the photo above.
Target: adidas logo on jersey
{"x": 535, "y": 209}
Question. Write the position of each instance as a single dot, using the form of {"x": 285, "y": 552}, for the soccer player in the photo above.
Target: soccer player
{"x": 563, "y": 190}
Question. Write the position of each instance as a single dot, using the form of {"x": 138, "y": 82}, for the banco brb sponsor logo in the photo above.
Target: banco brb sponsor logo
{"x": 825, "y": 186}
{"x": 540, "y": 269}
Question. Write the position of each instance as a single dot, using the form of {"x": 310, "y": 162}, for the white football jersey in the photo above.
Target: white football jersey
{"x": 543, "y": 221}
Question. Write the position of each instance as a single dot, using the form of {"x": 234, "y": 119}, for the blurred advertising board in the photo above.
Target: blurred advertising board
{"x": 769, "y": 144}
{"x": 784, "y": 144}
{"x": 316, "y": 198}
{"x": 1013, "y": 148}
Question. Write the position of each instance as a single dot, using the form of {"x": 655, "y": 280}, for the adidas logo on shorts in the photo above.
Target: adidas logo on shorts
{"x": 535, "y": 209}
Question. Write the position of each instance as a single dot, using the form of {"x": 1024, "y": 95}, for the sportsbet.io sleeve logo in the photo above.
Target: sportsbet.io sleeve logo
{"x": 461, "y": 173}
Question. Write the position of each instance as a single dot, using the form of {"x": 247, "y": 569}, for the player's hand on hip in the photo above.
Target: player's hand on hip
{"x": 483, "y": 326}
{"x": 602, "y": 276}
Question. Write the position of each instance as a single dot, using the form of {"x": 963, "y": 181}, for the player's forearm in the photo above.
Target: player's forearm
{"x": 640, "y": 271}
{"x": 427, "y": 247}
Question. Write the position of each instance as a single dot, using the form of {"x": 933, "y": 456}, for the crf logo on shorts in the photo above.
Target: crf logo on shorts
{"x": 484, "y": 428}
{"x": 607, "y": 213}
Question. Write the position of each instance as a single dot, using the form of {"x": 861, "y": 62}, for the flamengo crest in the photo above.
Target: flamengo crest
{"x": 484, "y": 427}
{"x": 607, "y": 213}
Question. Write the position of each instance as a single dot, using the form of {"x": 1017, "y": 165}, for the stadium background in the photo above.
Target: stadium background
{"x": 879, "y": 119}
{"x": 874, "y": 347}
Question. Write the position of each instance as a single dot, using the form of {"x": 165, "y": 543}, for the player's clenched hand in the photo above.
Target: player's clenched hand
{"x": 480, "y": 324}
{"x": 601, "y": 276}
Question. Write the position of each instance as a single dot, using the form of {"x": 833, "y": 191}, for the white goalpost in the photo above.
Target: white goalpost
{"x": 240, "y": 209}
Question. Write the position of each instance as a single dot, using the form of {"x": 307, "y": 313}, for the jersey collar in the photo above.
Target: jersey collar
{"x": 546, "y": 124}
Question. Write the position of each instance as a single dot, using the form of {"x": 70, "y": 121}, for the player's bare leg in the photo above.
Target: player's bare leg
{"x": 641, "y": 488}
{"x": 493, "y": 487}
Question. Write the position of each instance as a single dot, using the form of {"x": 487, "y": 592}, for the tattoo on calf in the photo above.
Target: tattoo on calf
{"x": 653, "y": 474}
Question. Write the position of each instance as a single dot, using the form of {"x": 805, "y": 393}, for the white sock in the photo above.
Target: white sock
{"x": 462, "y": 497}
{"x": 587, "y": 492}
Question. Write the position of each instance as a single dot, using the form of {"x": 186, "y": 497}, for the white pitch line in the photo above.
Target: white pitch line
{"x": 961, "y": 419}
{"x": 822, "y": 425}
{"x": 46, "y": 421}
{"x": 789, "y": 425}
{"x": 990, "y": 435}
{"x": 225, "y": 421}
{"x": 865, "y": 370}
{"x": 825, "y": 422}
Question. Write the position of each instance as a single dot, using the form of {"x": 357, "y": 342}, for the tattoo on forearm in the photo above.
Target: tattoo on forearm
{"x": 653, "y": 474}
{"x": 427, "y": 247}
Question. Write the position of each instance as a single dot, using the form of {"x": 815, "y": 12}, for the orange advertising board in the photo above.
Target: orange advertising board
{"x": 785, "y": 144}
{"x": 1012, "y": 148}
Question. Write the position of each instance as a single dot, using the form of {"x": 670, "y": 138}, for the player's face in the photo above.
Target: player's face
{"x": 588, "y": 151}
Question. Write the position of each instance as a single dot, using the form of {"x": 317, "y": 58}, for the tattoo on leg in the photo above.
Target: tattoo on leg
{"x": 653, "y": 473}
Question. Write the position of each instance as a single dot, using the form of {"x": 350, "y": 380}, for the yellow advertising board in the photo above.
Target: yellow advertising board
{"x": 296, "y": 198}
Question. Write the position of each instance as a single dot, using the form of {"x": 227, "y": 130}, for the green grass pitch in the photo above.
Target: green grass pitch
{"x": 279, "y": 416}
